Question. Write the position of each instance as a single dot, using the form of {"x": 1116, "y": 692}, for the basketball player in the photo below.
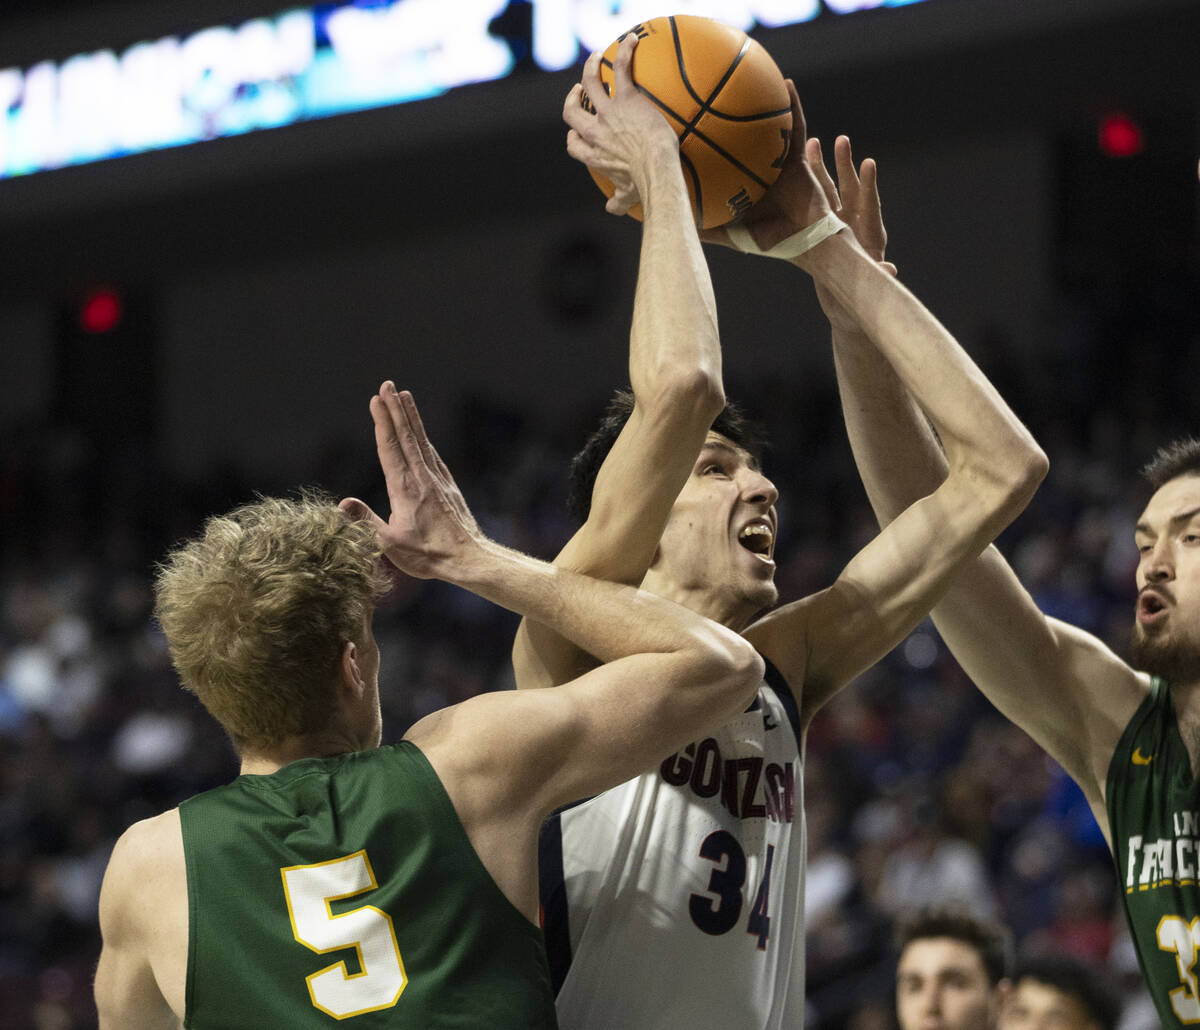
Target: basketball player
{"x": 675, "y": 899}
{"x": 1127, "y": 732}
{"x": 952, "y": 972}
{"x": 335, "y": 878}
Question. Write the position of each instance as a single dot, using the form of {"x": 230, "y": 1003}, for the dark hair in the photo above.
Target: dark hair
{"x": 1076, "y": 978}
{"x": 991, "y": 939}
{"x": 731, "y": 423}
{"x": 1178, "y": 458}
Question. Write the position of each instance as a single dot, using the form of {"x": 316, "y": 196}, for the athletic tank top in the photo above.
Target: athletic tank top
{"x": 676, "y": 899}
{"x": 1154, "y": 817}
{"x": 346, "y": 887}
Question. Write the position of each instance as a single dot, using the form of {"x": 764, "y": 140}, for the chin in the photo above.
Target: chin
{"x": 762, "y": 595}
{"x": 1175, "y": 662}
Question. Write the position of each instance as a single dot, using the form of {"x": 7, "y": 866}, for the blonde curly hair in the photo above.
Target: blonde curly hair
{"x": 258, "y": 608}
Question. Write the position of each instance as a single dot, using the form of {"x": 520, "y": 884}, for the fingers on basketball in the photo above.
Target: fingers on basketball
{"x": 727, "y": 102}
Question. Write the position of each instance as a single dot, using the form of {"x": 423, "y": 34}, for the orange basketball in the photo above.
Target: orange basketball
{"x": 727, "y": 102}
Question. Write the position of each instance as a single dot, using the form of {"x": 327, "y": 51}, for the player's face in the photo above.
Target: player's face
{"x": 717, "y": 550}
{"x": 1038, "y": 1006}
{"x": 941, "y": 984}
{"x": 1166, "y": 631}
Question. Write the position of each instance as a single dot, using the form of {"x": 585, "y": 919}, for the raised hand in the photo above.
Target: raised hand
{"x": 793, "y": 202}
{"x": 622, "y": 136}
{"x": 854, "y": 199}
{"x": 430, "y": 528}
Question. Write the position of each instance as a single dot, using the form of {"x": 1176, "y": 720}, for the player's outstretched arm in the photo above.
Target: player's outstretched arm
{"x": 1061, "y": 685}
{"x": 672, "y": 673}
{"x": 674, "y": 352}
{"x": 994, "y": 466}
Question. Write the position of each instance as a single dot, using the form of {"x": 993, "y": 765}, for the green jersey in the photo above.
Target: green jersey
{"x": 346, "y": 889}
{"x": 1154, "y": 817}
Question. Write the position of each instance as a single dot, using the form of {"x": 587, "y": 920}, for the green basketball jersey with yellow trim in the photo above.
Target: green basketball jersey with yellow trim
{"x": 345, "y": 890}
{"x": 1154, "y": 816}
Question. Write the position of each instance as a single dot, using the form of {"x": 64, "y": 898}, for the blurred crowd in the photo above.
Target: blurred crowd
{"x": 916, "y": 789}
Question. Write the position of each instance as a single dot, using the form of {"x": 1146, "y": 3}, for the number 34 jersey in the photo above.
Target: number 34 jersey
{"x": 676, "y": 899}
{"x": 1153, "y": 806}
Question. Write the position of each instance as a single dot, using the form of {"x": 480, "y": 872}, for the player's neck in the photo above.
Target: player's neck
{"x": 293, "y": 749}
{"x": 729, "y": 611}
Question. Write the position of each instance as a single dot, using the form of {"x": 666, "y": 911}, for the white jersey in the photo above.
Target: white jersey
{"x": 676, "y": 899}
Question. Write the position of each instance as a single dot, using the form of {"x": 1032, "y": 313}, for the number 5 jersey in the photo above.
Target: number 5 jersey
{"x": 676, "y": 899}
{"x": 347, "y": 887}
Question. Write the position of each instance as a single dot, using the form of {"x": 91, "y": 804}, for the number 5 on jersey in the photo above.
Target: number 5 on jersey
{"x": 310, "y": 890}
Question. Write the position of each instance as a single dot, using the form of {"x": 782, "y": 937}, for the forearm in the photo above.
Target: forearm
{"x": 976, "y": 427}
{"x": 674, "y": 346}
{"x": 606, "y": 620}
{"x": 897, "y": 454}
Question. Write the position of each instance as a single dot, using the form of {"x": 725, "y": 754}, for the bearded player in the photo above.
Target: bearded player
{"x": 1127, "y": 732}
{"x": 675, "y": 899}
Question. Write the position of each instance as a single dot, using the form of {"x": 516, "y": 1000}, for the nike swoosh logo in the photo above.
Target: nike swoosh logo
{"x": 1140, "y": 759}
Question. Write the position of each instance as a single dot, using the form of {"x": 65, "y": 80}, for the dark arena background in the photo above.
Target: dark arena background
{"x": 182, "y": 326}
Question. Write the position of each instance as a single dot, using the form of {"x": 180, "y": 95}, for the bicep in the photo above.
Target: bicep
{"x": 823, "y": 641}
{"x": 127, "y": 996}
{"x": 126, "y": 992}
{"x": 1060, "y": 684}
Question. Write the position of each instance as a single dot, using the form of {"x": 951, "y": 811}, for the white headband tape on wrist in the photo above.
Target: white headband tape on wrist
{"x": 794, "y": 245}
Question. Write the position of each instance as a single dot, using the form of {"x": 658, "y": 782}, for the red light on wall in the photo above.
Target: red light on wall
{"x": 1118, "y": 135}
{"x": 101, "y": 311}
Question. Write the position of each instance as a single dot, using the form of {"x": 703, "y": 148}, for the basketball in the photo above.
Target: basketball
{"x": 726, "y": 99}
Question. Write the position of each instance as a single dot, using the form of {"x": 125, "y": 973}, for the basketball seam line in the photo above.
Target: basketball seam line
{"x": 690, "y": 129}
{"x": 715, "y": 112}
{"x": 686, "y": 163}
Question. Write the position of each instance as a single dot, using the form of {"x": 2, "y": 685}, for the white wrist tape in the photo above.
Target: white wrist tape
{"x": 794, "y": 245}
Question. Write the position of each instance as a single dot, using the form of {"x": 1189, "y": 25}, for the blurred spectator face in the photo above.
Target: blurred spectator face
{"x": 1038, "y": 1006}
{"x": 941, "y": 984}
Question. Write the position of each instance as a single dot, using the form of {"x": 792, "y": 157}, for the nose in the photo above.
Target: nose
{"x": 927, "y": 1001}
{"x": 758, "y": 489}
{"x": 1157, "y": 563}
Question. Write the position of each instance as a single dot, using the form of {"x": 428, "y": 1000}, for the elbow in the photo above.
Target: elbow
{"x": 1007, "y": 487}
{"x": 738, "y": 669}
{"x": 1025, "y": 475}
{"x": 692, "y": 393}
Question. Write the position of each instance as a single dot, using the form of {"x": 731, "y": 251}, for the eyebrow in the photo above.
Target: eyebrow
{"x": 1174, "y": 520}
{"x": 740, "y": 453}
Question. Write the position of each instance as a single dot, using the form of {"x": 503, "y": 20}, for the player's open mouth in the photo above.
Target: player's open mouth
{"x": 1150, "y": 607}
{"x": 758, "y": 539}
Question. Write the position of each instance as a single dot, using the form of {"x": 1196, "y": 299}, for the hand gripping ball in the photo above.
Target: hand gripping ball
{"x": 727, "y": 101}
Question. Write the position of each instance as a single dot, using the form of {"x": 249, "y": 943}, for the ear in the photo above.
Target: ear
{"x": 351, "y": 679}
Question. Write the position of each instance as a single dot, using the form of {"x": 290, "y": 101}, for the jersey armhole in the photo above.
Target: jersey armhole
{"x": 412, "y": 759}
{"x": 191, "y": 873}
{"x": 1123, "y": 753}
{"x": 774, "y": 679}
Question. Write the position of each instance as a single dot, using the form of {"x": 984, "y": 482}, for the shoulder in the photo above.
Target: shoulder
{"x": 147, "y": 862}
{"x": 150, "y": 841}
